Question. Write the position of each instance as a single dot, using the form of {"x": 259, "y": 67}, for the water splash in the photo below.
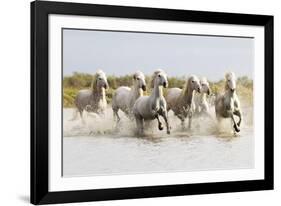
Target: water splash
{"x": 93, "y": 125}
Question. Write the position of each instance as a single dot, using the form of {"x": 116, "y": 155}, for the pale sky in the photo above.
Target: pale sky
{"x": 122, "y": 53}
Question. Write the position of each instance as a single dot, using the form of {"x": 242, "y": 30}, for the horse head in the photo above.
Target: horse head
{"x": 193, "y": 83}
{"x": 139, "y": 80}
{"x": 205, "y": 87}
{"x": 99, "y": 81}
{"x": 159, "y": 78}
{"x": 230, "y": 81}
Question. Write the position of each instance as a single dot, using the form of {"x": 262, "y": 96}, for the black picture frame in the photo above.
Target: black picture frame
{"x": 40, "y": 102}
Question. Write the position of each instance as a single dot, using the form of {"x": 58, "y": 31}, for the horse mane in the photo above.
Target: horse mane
{"x": 155, "y": 75}
{"x": 95, "y": 78}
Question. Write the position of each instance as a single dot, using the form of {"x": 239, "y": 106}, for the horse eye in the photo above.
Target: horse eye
{"x": 100, "y": 78}
{"x": 192, "y": 81}
{"x": 138, "y": 78}
{"x": 159, "y": 75}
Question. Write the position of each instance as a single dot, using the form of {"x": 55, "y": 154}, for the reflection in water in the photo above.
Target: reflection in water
{"x": 98, "y": 147}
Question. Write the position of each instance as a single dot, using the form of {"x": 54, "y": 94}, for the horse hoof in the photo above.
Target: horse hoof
{"x": 160, "y": 127}
{"x": 237, "y": 129}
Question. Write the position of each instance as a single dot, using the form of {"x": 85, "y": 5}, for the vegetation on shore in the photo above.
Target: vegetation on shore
{"x": 77, "y": 81}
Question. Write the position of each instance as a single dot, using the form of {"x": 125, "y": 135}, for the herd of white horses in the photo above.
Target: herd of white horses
{"x": 185, "y": 103}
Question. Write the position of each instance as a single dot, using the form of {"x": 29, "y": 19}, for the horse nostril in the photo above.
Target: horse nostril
{"x": 165, "y": 84}
{"x": 232, "y": 90}
{"x": 144, "y": 87}
{"x": 199, "y": 90}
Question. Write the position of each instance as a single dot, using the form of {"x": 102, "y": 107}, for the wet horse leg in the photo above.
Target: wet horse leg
{"x": 189, "y": 120}
{"x": 139, "y": 122}
{"x": 165, "y": 116}
{"x": 160, "y": 127}
{"x": 236, "y": 128}
{"x": 116, "y": 115}
{"x": 238, "y": 113}
{"x": 82, "y": 116}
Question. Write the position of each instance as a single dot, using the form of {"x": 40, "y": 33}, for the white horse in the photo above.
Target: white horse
{"x": 200, "y": 99}
{"x": 180, "y": 100}
{"x": 125, "y": 97}
{"x": 92, "y": 100}
{"x": 153, "y": 106}
{"x": 227, "y": 105}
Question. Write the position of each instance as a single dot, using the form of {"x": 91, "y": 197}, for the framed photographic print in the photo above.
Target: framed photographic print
{"x": 131, "y": 102}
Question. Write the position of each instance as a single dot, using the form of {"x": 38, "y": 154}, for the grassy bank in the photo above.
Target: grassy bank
{"x": 72, "y": 84}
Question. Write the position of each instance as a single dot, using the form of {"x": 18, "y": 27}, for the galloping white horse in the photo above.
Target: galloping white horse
{"x": 200, "y": 102}
{"x": 228, "y": 105}
{"x": 180, "y": 100}
{"x": 92, "y": 100}
{"x": 125, "y": 97}
{"x": 150, "y": 107}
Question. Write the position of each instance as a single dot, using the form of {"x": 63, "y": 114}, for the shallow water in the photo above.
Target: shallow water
{"x": 97, "y": 147}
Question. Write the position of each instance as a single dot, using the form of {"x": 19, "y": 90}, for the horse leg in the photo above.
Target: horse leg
{"x": 80, "y": 112}
{"x": 139, "y": 122}
{"x": 165, "y": 116}
{"x": 238, "y": 113}
{"x": 189, "y": 120}
{"x": 116, "y": 115}
{"x": 141, "y": 126}
{"x": 236, "y": 128}
{"x": 81, "y": 115}
{"x": 160, "y": 127}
